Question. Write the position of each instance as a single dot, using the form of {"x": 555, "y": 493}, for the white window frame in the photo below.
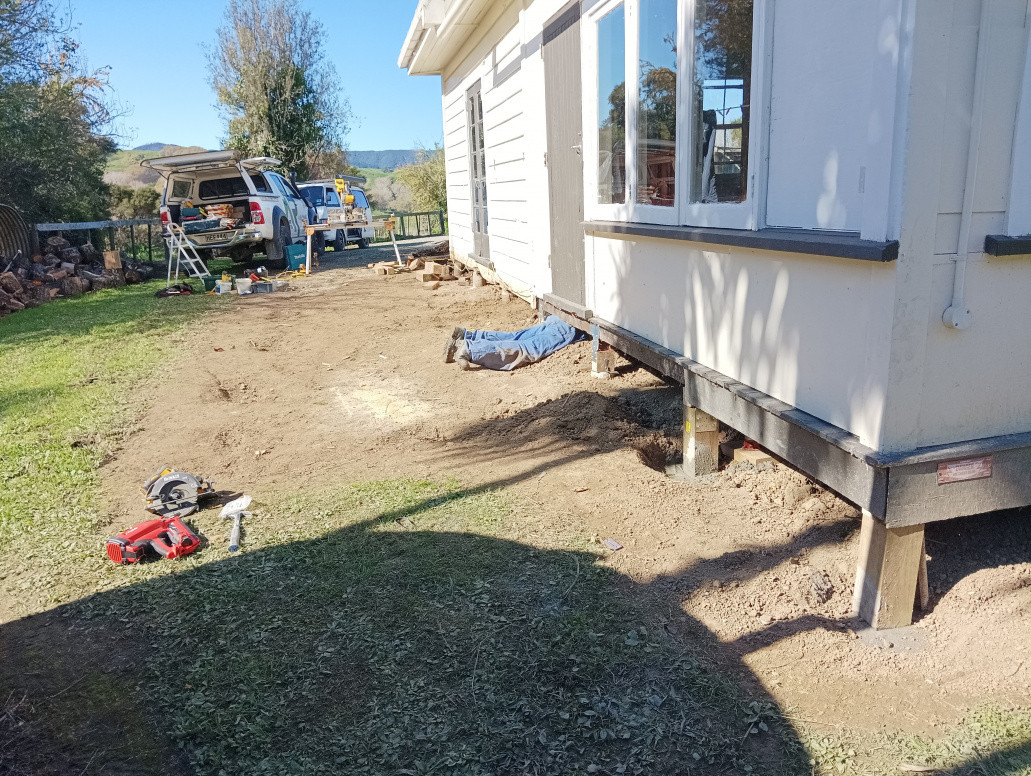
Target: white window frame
{"x": 1018, "y": 215}
{"x": 594, "y": 210}
{"x": 749, "y": 214}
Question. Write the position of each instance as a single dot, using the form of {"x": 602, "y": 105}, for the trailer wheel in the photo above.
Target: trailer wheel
{"x": 340, "y": 241}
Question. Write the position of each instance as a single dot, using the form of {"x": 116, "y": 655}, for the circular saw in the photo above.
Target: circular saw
{"x": 170, "y": 492}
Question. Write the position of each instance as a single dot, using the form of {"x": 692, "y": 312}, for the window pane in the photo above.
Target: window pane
{"x": 722, "y": 82}
{"x": 657, "y": 103}
{"x": 612, "y": 108}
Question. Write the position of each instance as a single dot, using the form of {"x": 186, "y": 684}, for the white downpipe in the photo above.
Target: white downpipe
{"x": 957, "y": 316}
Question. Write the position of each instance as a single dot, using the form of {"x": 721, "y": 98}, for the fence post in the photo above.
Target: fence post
{"x": 111, "y": 236}
{"x": 440, "y": 215}
{"x": 132, "y": 239}
{"x": 150, "y": 244}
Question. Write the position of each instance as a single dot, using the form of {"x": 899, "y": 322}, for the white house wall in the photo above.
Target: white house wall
{"x": 857, "y": 344}
{"x": 806, "y": 330}
{"x": 818, "y": 114}
{"x": 947, "y": 385}
{"x": 508, "y": 65}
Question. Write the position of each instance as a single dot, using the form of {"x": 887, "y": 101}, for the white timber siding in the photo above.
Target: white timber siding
{"x": 510, "y": 83}
{"x": 948, "y": 385}
{"x": 456, "y": 164}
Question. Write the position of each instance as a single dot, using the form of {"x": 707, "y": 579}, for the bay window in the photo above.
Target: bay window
{"x": 671, "y": 120}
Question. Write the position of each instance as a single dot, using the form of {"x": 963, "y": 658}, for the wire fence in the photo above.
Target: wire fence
{"x": 141, "y": 239}
{"x": 430, "y": 223}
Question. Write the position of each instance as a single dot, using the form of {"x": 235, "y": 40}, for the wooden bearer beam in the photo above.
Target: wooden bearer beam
{"x": 886, "y": 578}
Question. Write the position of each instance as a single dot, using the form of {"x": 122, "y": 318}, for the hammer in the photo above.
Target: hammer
{"x": 236, "y": 510}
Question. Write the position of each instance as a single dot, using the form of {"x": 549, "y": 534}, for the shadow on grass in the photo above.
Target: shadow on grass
{"x": 414, "y": 641}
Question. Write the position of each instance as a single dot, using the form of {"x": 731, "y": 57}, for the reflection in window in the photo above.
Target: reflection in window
{"x": 612, "y": 108}
{"x": 657, "y": 103}
{"x": 722, "y": 82}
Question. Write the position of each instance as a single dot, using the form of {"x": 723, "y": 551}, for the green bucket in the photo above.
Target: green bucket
{"x": 209, "y": 283}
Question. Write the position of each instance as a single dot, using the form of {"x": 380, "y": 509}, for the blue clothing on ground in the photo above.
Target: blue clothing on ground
{"x": 508, "y": 350}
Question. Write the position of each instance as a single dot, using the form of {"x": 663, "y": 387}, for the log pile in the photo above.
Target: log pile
{"x": 63, "y": 271}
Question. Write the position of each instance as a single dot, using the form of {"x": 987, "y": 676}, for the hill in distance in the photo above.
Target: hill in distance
{"x": 382, "y": 160}
{"x": 123, "y": 167}
{"x": 153, "y": 147}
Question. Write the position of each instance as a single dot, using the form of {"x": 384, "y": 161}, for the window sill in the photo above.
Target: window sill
{"x": 808, "y": 241}
{"x": 1004, "y": 245}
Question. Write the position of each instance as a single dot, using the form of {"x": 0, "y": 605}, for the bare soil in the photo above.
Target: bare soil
{"x": 342, "y": 379}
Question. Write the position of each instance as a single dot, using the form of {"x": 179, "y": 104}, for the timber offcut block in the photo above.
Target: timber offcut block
{"x": 887, "y": 574}
{"x": 749, "y": 455}
{"x": 441, "y": 269}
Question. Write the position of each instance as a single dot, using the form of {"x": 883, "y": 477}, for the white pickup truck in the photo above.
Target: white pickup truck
{"x": 232, "y": 206}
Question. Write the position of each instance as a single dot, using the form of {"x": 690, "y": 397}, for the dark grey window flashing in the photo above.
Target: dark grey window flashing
{"x": 1004, "y": 245}
{"x": 845, "y": 245}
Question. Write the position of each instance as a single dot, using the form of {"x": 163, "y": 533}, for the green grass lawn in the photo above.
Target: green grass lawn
{"x": 391, "y": 627}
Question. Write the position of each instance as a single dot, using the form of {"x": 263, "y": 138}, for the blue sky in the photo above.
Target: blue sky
{"x": 155, "y": 52}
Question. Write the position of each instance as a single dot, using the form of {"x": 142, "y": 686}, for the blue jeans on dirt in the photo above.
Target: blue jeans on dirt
{"x": 508, "y": 350}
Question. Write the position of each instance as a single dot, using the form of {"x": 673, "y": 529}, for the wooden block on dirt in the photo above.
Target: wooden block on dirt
{"x": 414, "y": 264}
{"x": 438, "y": 268}
{"x": 428, "y": 277}
{"x": 750, "y": 456}
{"x": 387, "y": 270}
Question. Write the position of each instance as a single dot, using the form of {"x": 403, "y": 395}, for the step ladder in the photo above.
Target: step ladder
{"x": 183, "y": 254}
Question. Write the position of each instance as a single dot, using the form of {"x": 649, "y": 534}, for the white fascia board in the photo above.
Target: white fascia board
{"x": 428, "y": 48}
{"x": 429, "y": 15}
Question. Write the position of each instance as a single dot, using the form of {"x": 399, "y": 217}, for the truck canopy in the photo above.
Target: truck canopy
{"x": 209, "y": 160}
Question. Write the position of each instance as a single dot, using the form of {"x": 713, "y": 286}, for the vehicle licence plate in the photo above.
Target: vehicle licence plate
{"x": 215, "y": 237}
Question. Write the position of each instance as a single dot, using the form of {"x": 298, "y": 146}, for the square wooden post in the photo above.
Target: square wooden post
{"x": 701, "y": 445}
{"x": 886, "y": 578}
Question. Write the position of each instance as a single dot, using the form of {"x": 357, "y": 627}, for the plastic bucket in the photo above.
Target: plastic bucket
{"x": 243, "y": 285}
{"x": 209, "y": 283}
{"x": 224, "y": 286}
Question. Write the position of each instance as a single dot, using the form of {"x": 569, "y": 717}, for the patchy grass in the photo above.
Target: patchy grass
{"x": 990, "y": 742}
{"x": 393, "y": 628}
{"x": 67, "y": 373}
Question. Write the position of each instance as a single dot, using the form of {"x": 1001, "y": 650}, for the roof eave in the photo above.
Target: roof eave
{"x": 438, "y": 30}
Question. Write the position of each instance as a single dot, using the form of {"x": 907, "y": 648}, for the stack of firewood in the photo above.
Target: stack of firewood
{"x": 63, "y": 271}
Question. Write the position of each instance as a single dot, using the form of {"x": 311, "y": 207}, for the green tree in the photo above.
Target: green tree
{"x": 277, "y": 88}
{"x": 426, "y": 179}
{"x": 52, "y": 118}
{"x": 128, "y": 202}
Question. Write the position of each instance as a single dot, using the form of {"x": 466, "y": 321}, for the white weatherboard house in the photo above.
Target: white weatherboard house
{"x": 812, "y": 213}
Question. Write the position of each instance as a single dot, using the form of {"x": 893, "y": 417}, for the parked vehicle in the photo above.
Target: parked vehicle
{"x": 231, "y": 206}
{"x": 324, "y": 196}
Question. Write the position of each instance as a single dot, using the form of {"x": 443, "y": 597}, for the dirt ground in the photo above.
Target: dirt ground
{"x": 342, "y": 379}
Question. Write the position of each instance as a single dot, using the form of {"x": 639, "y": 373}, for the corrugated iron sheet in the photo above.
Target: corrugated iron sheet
{"x": 14, "y": 233}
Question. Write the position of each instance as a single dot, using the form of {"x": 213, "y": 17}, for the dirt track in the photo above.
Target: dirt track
{"x": 341, "y": 379}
